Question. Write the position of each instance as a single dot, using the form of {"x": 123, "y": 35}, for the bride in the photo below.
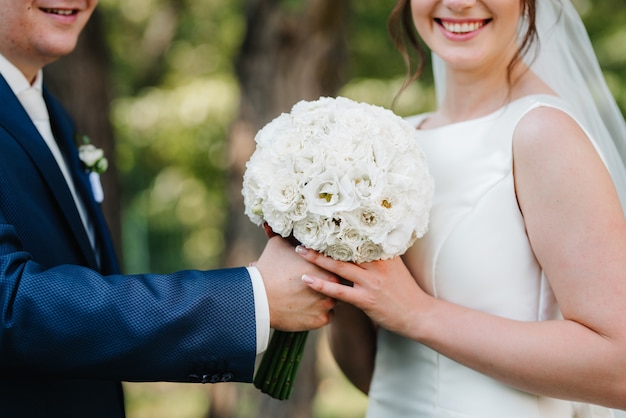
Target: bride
{"x": 513, "y": 303}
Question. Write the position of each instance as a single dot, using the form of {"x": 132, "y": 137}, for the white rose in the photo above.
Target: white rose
{"x": 312, "y": 232}
{"x": 399, "y": 239}
{"x": 277, "y": 220}
{"x": 284, "y": 192}
{"x": 89, "y": 154}
{"x": 326, "y": 195}
{"x": 270, "y": 131}
{"x": 369, "y": 251}
{"x": 349, "y": 235}
{"x": 341, "y": 251}
{"x": 370, "y": 220}
{"x": 368, "y": 182}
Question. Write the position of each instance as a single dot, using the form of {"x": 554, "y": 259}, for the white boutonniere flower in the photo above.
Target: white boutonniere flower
{"x": 95, "y": 163}
{"x": 92, "y": 157}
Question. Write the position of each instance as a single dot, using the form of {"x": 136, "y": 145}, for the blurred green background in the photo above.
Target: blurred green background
{"x": 175, "y": 96}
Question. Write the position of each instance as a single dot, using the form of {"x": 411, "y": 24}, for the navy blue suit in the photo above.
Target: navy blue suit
{"x": 71, "y": 330}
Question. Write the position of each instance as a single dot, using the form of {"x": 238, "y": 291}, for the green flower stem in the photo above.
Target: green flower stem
{"x": 280, "y": 363}
{"x": 294, "y": 363}
{"x": 278, "y": 368}
{"x": 269, "y": 363}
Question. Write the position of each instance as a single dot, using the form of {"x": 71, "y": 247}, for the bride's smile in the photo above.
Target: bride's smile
{"x": 462, "y": 27}
{"x": 468, "y": 34}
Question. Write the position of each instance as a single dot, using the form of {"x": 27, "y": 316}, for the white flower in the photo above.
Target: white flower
{"x": 326, "y": 194}
{"x": 284, "y": 192}
{"x": 95, "y": 164}
{"x": 344, "y": 178}
{"x": 341, "y": 251}
{"x": 370, "y": 251}
{"x": 314, "y": 230}
{"x": 92, "y": 157}
{"x": 280, "y": 222}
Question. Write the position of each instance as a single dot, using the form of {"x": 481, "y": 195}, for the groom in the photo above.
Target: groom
{"x": 71, "y": 326}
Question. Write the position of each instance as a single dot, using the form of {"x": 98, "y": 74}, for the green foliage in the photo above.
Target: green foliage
{"x": 372, "y": 54}
{"x": 171, "y": 154}
{"x": 175, "y": 99}
{"x": 605, "y": 25}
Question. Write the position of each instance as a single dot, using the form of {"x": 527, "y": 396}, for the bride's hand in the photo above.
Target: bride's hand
{"x": 385, "y": 290}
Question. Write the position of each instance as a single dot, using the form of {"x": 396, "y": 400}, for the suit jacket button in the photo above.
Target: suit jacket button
{"x": 194, "y": 378}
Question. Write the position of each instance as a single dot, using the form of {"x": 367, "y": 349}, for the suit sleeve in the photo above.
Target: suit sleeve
{"x": 70, "y": 321}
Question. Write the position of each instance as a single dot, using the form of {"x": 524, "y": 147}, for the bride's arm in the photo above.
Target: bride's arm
{"x": 578, "y": 233}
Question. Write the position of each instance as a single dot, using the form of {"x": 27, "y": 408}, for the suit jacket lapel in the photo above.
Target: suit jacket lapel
{"x": 64, "y": 133}
{"x": 15, "y": 120}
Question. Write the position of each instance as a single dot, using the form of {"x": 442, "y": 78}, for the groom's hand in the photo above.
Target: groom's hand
{"x": 293, "y": 305}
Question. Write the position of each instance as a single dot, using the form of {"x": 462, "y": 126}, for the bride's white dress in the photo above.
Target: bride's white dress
{"x": 475, "y": 254}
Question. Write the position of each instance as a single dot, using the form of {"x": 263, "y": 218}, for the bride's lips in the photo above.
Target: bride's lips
{"x": 457, "y": 29}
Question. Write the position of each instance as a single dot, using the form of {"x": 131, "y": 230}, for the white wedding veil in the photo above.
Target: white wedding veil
{"x": 565, "y": 60}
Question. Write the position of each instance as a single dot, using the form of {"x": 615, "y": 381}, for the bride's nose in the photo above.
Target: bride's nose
{"x": 458, "y": 5}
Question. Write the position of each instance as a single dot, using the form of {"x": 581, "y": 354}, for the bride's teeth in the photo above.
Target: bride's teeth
{"x": 462, "y": 27}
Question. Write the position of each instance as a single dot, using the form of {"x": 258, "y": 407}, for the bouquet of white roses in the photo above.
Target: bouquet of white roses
{"x": 344, "y": 178}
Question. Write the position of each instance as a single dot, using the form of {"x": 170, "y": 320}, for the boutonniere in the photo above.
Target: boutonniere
{"x": 92, "y": 157}
{"x": 95, "y": 163}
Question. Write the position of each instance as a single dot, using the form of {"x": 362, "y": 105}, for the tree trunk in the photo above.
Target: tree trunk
{"x": 81, "y": 81}
{"x": 287, "y": 55}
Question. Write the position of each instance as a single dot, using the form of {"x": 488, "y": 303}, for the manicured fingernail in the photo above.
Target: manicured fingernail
{"x": 307, "y": 279}
{"x": 301, "y": 250}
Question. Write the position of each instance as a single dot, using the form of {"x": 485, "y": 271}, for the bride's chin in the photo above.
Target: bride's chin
{"x": 471, "y": 61}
